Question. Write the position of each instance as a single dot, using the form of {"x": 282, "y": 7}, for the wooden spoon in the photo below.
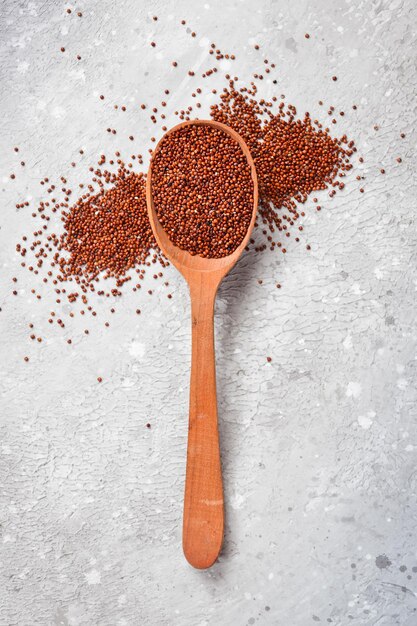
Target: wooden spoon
{"x": 203, "y": 501}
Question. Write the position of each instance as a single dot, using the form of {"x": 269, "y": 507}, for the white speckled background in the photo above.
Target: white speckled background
{"x": 319, "y": 447}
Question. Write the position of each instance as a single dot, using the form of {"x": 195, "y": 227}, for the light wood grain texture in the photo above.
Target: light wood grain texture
{"x": 203, "y": 502}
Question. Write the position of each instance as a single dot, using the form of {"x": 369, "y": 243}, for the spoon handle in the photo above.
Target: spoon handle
{"x": 203, "y": 501}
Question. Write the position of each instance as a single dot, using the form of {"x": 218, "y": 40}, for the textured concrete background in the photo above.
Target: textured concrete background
{"x": 319, "y": 447}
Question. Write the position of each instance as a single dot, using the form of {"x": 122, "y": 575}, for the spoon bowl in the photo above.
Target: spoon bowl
{"x": 203, "y": 521}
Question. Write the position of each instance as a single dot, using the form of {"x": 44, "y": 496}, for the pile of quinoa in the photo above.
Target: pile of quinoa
{"x": 104, "y": 243}
{"x": 202, "y": 190}
{"x": 293, "y": 157}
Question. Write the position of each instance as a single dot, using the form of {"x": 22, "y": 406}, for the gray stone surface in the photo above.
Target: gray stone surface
{"x": 319, "y": 447}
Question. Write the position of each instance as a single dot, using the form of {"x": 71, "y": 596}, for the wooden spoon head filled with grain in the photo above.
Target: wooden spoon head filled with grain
{"x": 202, "y": 197}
